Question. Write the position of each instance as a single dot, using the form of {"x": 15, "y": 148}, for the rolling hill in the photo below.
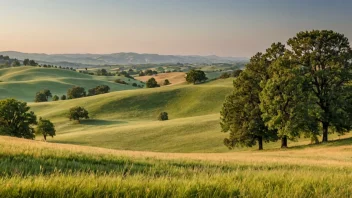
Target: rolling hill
{"x": 22, "y": 83}
{"x": 127, "y": 119}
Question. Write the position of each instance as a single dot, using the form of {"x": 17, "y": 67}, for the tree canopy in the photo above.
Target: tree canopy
{"x": 45, "y": 128}
{"x": 77, "y": 113}
{"x": 16, "y": 119}
{"x": 196, "y": 76}
{"x": 76, "y": 92}
{"x": 151, "y": 83}
{"x": 284, "y": 93}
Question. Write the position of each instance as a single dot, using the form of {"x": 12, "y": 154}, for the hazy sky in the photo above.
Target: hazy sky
{"x": 186, "y": 27}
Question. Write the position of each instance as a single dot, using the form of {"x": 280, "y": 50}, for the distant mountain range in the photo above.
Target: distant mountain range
{"x": 118, "y": 58}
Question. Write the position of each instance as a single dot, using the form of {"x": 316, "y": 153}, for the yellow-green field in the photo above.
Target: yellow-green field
{"x": 124, "y": 151}
{"x": 41, "y": 169}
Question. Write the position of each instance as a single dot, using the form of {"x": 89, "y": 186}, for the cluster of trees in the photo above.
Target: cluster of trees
{"x": 72, "y": 93}
{"x": 125, "y": 83}
{"x": 29, "y": 62}
{"x": 57, "y": 67}
{"x": 101, "y": 89}
{"x": 301, "y": 90}
{"x": 148, "y": 72}
{"x": 6, "y": 61}
{"x": 16, "y": 120}
{"x": 234, "y": 74}
{"x": 196, "y": 76}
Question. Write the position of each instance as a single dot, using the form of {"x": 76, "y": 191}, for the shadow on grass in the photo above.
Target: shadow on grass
{"x": 101, "y": 122}
{"x": 333, "y": 143}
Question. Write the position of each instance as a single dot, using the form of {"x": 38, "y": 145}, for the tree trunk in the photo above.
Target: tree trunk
{"x": 45, "y": 138}
{"x": 260, "y": 143}
{"x": 325, "y": 131}
{"x": 284, "y": 141}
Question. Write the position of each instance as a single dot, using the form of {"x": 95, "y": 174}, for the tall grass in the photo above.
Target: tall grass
{"x": 32, "y": 169}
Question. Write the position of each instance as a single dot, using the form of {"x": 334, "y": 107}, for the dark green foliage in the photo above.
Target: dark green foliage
{"x": 196, "y": 76}
{"x": 77, "y": 113}
{"x": 15, "y": 63}
{"x": 16, "y": 120}
{"x": 40, "y": 97}
{"x": 241, "y": 114}
{"x": 285, "y": 101}
{"x": 43, "y": 95}
{"x": 151, "y": 83}
{"x": 26, "y": 62}
{"x": 236, "y": 73}
{"x": 63, "y": 97}
{"x": 45, "y": 128}
{"x": 326, "y": 58}
{"x": 150, "y": 72}
{"x": 32, "y": 63}
{"x": 76, "y": 92}
{"x": 121, "y": 82}
{"x": 224, "y": 75}
{"x": 134, "y": 85}
{"x": 55, "y": 98}
{"x": 101, "y": 89}
{"x": 163, "y": 116}
{"x": 167, "y": 82}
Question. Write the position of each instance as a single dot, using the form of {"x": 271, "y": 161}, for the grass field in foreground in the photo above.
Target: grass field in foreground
{"x": 39, "y": 169}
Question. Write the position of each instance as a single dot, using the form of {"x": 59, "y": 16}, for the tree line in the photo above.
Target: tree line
{"x": 72, "y": 93}
{"x": 299, "y": 89}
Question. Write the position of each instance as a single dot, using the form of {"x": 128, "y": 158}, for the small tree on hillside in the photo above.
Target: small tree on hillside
{"x": 46, "y": 128}
{"x": 77, "y": 113}
{"x": 40, "y": 97}
{"x": 63, "y": 97}
{"x": 76, "y": 92}
{"x": 166, "y": 82}
{"x": 163, "y": 116}
{"x": 26, "y": 62}
{"x": 47, "y": 93}
{"x": 151, "y": 83}
{"x": 56, "y": 98}
{"x": 196, "y": 76}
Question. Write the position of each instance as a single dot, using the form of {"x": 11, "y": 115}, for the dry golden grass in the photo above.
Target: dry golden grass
{"x": 316, "y": 155}
{"x": 175, "y": 78}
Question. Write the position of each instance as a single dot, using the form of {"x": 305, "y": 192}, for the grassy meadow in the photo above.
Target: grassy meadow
{"x": 36, "y": 169}
{"x": 23, "y": 83}
{"x": 124, "y": 151}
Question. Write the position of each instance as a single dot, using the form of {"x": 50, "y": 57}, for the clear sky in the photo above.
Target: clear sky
{"x": 185, "y": 27}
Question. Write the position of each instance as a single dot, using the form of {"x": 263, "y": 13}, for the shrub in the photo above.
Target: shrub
{"x": 166, "y": 82}
{"x": 55, "y": 98}
{"x": 121, "y": 82}
{"x": 163, "y": 116}
{"x": 151, "y": 83}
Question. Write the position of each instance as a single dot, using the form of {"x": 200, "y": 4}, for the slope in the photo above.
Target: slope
{"x": 23, "y": 82}
{"x": 127, "y": 119}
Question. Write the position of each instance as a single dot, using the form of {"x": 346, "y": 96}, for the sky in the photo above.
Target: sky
{"x": 236, "y": 28}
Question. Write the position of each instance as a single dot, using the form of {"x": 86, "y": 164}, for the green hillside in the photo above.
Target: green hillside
{"x": 22, "y": 83}
{"x": 127, "y": 119}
